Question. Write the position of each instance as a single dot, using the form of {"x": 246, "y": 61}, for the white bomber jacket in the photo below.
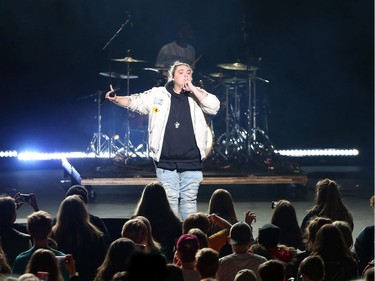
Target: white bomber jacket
{"x": 156, "y": 103}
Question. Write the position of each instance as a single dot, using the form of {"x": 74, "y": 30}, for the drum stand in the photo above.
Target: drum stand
{"x": 100, "y": 143}
{"x": 131, "y": 151}
{"x": 258, "y": 143}
{"x": 232, "y": 144}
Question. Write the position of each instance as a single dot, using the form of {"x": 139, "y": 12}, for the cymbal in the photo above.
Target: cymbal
{"x": 118, "y": 75}
{"x": 156, "y": 69}
{"x": 218, "y": 75}
{"x": 237, "y": 66}
{"x": 128, "y": 59}
{"x": 234, "y": 80}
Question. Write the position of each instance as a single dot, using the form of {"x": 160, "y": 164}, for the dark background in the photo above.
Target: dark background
{"x": 317, "y": 54}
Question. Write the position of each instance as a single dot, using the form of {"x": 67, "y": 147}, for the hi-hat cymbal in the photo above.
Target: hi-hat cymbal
{"x": 118, "y": 75}
{"x": 234, "y": 80}
{"x": 128, "y": 59}
{"x": 156, "y": 69}
{"x": 237, "y": 66}
{"x": 218, "y": 75}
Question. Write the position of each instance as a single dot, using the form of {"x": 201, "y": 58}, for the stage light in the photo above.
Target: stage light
{"x": 329, "y": 152}
{"x": 8, "y": 154}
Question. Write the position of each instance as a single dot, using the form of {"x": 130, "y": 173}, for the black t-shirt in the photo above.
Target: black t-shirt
{"x": 179, "y": 150}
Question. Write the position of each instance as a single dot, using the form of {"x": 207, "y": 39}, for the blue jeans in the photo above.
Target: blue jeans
{"x": 183, "y": 186}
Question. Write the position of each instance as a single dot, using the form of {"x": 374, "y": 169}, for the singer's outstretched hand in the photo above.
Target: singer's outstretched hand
{"x": 111, "y": 94}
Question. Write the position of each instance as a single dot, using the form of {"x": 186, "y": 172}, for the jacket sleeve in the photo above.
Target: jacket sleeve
{"x": 210, "y": 104}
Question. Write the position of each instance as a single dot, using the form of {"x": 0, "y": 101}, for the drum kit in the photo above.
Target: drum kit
{"x": 241, "y": 140}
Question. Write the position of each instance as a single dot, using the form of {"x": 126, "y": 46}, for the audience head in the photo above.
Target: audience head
{"x": 73, "y": 207}
{"x": 117, "y": 258}
{"x": 174, "y": 273}
{"x": 240, "y": 234}
{"x": 221, "y": 203}
{"x": 147, "y": 266}
{"x": 186, "y": 247}
{"x": 120, "y": 276}
{"x": 196, "y": 220}
{"x": 201, "y": 236}
{"x": 78, "y": 190}
{"x": 245, "y": 275}
{"x": 151, "y": 242}
{"x": 136, "y": 230}
{"x": 207, "y": 262}
{"x": 44, "y": 260}
{"x": 8, "y": 213}
{"x": 369, "y": 274}
{"x": 345, "y": 231}
{"x": 372, "y": 202}
{"x": 329, "y": 203}
{"x": 272, "y": 270}
{"x": 27, "y": 277}
{"x": 284, "y": 215}
{"x": 312, "y": 229}
{"x": 269, "y": 235}
{"x": 312, "y": 268}
{"x": 153, "y": 198}
{"x": 329, "y": 244}
{"x": 39, "y": 225}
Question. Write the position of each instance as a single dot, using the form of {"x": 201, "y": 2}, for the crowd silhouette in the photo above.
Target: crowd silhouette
{"x": 156, "y": 245}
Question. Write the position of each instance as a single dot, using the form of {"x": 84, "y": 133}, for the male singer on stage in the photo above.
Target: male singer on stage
{"x": 179, "y": 136}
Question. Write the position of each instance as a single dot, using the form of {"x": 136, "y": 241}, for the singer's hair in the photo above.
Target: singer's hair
{"x": 173, "y": 67}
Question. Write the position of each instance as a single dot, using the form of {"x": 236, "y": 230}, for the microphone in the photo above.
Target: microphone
{"x": 129, "y": 18}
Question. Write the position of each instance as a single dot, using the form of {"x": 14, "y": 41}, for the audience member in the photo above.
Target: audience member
{"x": 44, "y": 260}
{"x": 338, "y": 260}
{"x": 269, "y": 247}
{"x": 328, "y": 203}
{"x": 312, "y": 229}
{"x": 27, "y": 277}
{"x": 207, "y": 263}
{"x": 120, "y": 276}
{"x": 4, "y": 265}
{"x": 221, "y": 204}
{"x": 137, "y": 230}
{"x": 186, "y": 248}
{"x": 368, "y": 273}
{"x": 240, "y": 237}
{"x": 13, "y": 242}
{"x": 153, "y": 244}
{"x": 95, "y": 220}
{"x": 147, "y": 266}
{"x": 166, "y": 226}
{"x": 272, "y": 270}
{"x": 174, "y": 273}
{"x": 311, "y": 269}
{"x": 284, "y": 216}
{"x": 202, "y": 221}
{"x": 116, "y": 259}
{"x": 201, "y": 236}
{"x": 346, "y": 233}
{"x": 310, "y": 234}
{"x": 245, "y": 275}
{"x": 75, "y": 234}
{"x": 364, "y": 243}
{"x": 39, "y": 225}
